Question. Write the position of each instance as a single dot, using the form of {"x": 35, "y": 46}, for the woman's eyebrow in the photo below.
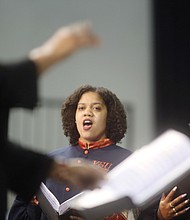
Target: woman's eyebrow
{"x": 93, "y": 103}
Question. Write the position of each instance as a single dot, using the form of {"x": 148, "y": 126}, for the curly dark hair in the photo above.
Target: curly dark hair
{"x": 116, "y": 126}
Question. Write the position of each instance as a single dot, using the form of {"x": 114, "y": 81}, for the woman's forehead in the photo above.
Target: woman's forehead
{"x": 91, "y": 98}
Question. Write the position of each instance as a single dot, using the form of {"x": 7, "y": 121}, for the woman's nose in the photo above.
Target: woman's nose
{"x": 88, "y": 113}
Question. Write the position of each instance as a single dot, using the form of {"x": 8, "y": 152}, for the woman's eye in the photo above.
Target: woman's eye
{"x": 97, "y": 108}
{"x": 80, "y": 108}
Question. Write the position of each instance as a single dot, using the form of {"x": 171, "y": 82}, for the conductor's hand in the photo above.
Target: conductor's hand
{"x": 64, "y": 42}
{"x": 77, "y": 173}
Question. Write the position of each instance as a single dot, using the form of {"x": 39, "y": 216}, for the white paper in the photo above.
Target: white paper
{"x": 144, "y": 174}
{"x": 59, "y": 208}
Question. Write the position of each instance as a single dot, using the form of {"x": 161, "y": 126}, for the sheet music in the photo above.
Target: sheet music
{"x": 145, "y": 173}
{"x": 50, "y": 197}
{"x": 59, "y": 208}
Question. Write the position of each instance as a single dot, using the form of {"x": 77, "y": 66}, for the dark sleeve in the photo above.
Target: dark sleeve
{"x": 18, "y": 84}
{"x": 25, "y": 170}
{"x": 21, "y": 210}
